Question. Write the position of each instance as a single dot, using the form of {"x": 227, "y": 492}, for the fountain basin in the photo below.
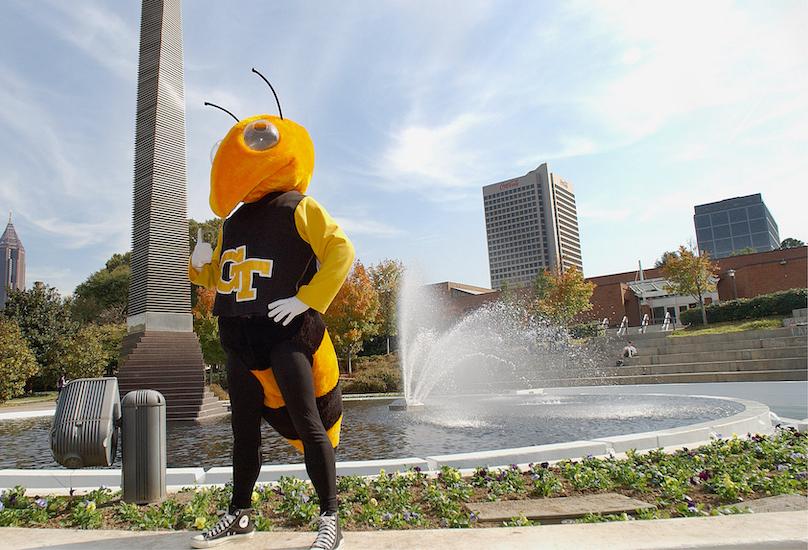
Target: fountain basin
{"x": 750, "y": 417}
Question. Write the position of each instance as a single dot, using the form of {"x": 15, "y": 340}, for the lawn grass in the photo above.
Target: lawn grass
{"x": 36, "y": 398}
{"x": 710, "y": 480}
{"x": 731, "y": 326}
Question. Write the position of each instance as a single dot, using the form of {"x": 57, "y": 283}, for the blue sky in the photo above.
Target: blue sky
{"x": 646, "y": 107}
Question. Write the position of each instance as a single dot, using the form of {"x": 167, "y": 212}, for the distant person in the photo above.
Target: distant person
{"x": 629, "y": 350}
{"x": 60, "y": 385}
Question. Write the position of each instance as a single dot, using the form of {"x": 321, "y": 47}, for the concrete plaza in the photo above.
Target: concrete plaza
{"x": 780, "y": 530}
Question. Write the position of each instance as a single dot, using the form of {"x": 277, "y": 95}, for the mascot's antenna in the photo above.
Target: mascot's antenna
{"x": 222, "y": 108}
{"x": 273, "y": 91}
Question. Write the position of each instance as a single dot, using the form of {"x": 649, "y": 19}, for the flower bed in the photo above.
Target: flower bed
{"x": 703, "y": 481}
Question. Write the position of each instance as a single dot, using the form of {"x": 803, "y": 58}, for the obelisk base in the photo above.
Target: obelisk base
{"x": 171, "y": 363}
{"x": 155, "y": 322}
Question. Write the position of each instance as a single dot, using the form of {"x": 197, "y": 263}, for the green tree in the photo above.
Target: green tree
{"x": 44, "y": 319}
{"x": 691, "y": 275}
{"x": 210, "y": 230}
{"x": 206, "y": 327}
{"x": 81, "y": 355}
{"x": 386, "y": 279}
{"x": 791, "y": 242}
{"x": 665, "y": 257}
{"x": 353, "y": 315}
{"x": 17, "y": 363}
{"x": 103, "y": 298}
{"x": 744, "y": 251}
{"x": 110, "y": 337}
{"x": 565, "y": 295}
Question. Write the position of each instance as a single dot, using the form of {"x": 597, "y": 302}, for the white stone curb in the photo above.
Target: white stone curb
{"x": 755, "y": 418}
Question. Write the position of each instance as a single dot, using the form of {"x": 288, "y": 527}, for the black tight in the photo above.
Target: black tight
{"x": 291, "y": 366}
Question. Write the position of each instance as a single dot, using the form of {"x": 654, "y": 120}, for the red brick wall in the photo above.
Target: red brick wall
{"x": 755, "y": 274}
{"x": 764, "y": 272}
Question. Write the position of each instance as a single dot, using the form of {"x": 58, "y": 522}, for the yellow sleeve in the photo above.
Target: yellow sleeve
{"x": 208, "y": 276}
{"x": 332, "y": 248}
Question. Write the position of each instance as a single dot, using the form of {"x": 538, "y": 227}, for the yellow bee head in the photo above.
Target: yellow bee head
{"x": 259, "y": 155}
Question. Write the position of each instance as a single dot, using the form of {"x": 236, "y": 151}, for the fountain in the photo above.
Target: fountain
{"x": 493, "y": 350}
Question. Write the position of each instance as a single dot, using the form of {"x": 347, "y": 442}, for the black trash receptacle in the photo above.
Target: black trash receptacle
{"x": 143, "y": 447}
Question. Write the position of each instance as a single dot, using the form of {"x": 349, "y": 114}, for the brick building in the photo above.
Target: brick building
{"x": 754, "y": 274}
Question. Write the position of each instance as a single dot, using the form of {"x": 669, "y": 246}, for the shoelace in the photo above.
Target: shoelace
{"x": 224, "y": 523}
{"x": 327, "y": 533}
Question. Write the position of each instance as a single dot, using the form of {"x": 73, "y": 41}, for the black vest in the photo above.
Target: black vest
{"x": 263, "y": 257}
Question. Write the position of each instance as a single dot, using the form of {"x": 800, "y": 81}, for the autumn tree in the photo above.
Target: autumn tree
{"x": 386, "y": 279}
{"x": 563, "y": 295}
{"x": 17, "y": 363}
{"x": 691, "y": 274}
{"x": 353, "y": 316}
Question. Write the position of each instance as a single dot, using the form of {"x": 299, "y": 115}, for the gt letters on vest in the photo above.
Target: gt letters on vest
{"x": 263, "y": 257}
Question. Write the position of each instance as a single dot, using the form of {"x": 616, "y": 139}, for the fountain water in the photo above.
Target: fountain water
{"x": 494, "y": 349}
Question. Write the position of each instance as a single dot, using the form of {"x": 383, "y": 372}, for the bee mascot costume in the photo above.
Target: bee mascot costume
{"x": 279, "y": 261}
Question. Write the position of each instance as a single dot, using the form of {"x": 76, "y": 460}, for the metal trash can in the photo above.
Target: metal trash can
{"x": 85, "y": 424}
{"x": 143, "y": 447}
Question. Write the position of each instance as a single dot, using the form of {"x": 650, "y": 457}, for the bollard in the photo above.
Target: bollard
{"x": 143, "y": 447}
{"x": 85, "y": 424}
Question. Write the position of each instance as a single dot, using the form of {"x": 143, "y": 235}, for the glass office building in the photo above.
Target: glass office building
{"x": 725, "y": 227}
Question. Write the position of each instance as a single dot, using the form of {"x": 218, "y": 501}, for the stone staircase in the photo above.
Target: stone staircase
{"x": 750, "y": 356}
{"x": 171, "y": 363}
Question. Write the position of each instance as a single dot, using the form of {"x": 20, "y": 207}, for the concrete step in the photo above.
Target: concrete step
{"x": 163, "y": 386}
{"x": 141, "y": 373}
{"x": 733, "y": 336}
{"x": 168, "y": 351}
{"x": 713, "y": 366}
{"x": 144, "y": 366}
{"x": 684, "y": 378}
{"x": 758, "y": 343}
{"x": 719, "y": 355}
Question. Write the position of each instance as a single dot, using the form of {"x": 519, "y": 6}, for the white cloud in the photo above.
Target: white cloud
{"x": 359, "y": 226}
{"x": 95, "y": 30}
{"x": 434, "y": 155}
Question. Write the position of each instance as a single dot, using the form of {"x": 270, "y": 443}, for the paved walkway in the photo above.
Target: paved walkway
{"x": 782, "y": 531}
{"x": 28, "y": 410}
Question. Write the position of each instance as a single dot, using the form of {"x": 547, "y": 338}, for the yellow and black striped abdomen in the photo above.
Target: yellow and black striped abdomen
{"x": 325, "y": 371}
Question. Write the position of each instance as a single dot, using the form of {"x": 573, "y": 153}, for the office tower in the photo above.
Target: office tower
{"x": 532, "y": 224}
{"x": 730, "y": 225}
{"x": 12, "y": 262}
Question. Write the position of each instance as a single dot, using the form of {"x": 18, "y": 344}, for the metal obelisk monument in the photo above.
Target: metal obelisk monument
{"x": 161, "y": 351}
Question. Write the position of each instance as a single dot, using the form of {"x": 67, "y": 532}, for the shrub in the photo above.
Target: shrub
{"x": 17, "y": 362}
{"x": 777, "y": 303}
{"x": 375, "y": 374}
{"x": 585, "y": 330}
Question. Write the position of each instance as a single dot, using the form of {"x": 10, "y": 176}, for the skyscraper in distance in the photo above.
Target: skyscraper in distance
{"x": 531, "y": 224}
{"x": 12, "y": 262}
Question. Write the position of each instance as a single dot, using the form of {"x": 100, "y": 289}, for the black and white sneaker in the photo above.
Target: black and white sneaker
{"x": 235, "y": 525}
{"x": 329, "y": 535}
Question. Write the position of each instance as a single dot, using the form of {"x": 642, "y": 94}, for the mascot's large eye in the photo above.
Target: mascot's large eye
{"x": 260, "y": 135}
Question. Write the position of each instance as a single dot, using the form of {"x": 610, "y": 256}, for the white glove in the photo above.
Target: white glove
{"x": 202, "y": 254}
{"x": 286, "y": 309}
